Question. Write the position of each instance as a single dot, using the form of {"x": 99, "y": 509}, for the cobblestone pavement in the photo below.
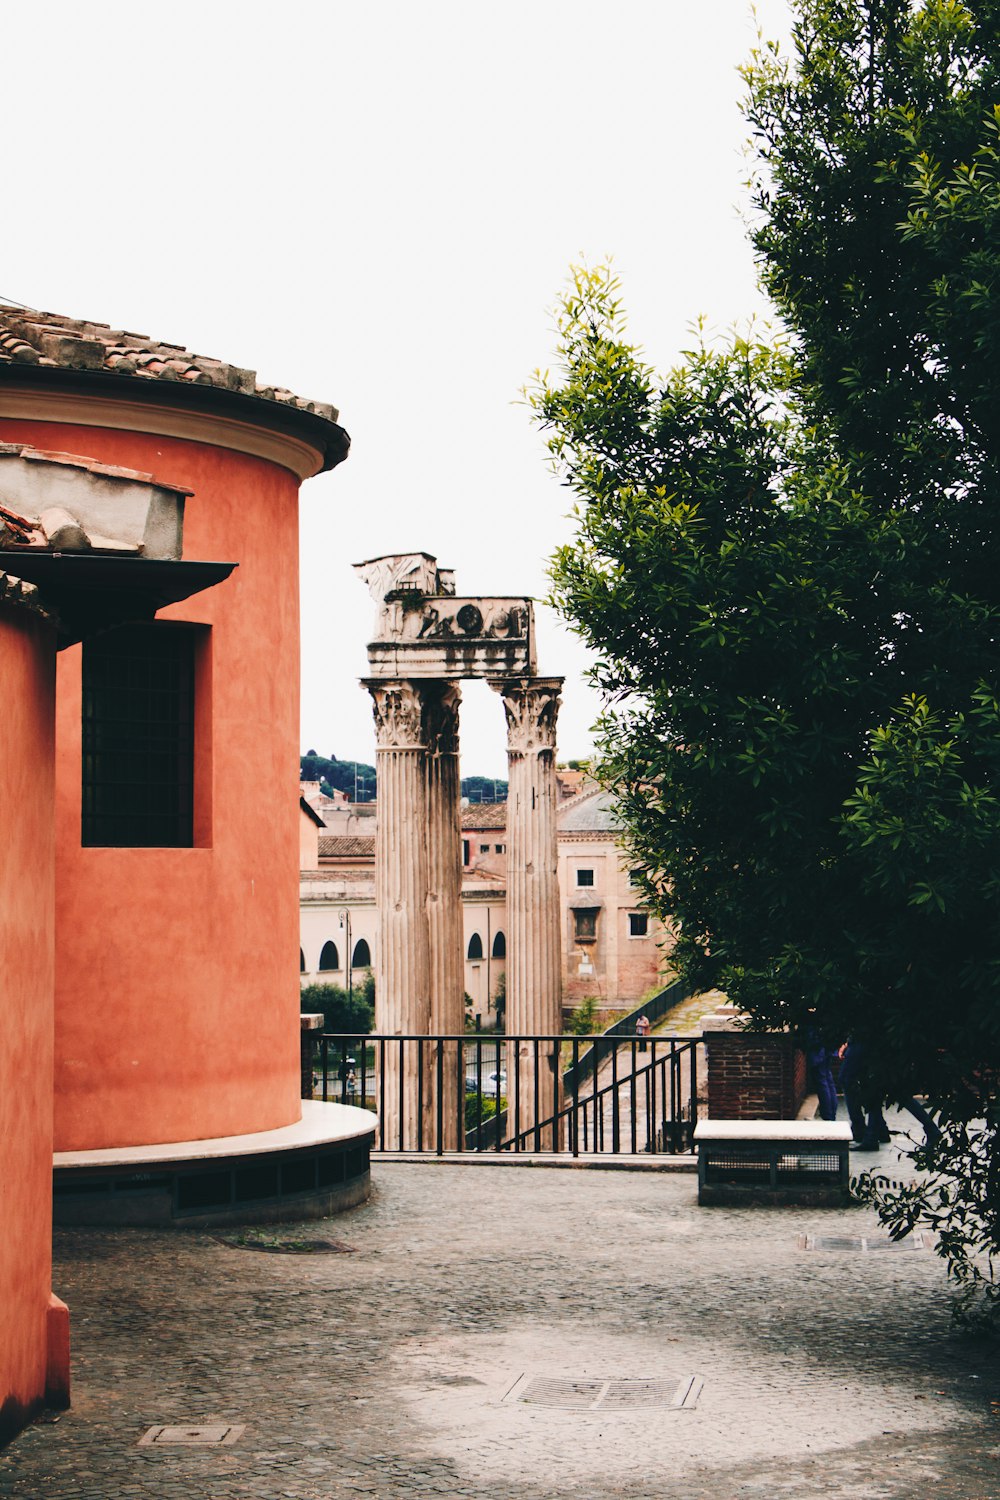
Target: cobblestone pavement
{"x": 391, "y": 1370}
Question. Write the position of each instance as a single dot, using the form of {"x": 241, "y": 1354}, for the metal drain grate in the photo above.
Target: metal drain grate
{"x": 272, "y": 1245}
{"x": 863, "y": 1243}
{"x": 190, "y": 1437}
{"x": 605, "y": 1395}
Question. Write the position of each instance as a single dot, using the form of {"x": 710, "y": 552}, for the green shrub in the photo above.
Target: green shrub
{"x": 489, "y": 1109}
{"x": 352, "y": 1014}
{"x": 584, "y": 1021}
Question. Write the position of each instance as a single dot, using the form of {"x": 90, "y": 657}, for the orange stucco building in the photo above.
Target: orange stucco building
{"x": 27, "y": 966}
{"x": 163, "y": 922}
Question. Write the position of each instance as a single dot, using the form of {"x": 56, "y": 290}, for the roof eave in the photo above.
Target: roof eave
{"x": 330, "y": 441}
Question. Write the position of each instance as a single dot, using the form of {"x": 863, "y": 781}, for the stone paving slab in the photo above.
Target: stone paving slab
{"x": 389, "y": 1371}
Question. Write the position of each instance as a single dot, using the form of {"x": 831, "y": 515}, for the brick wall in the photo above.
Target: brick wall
{"x": 754, "y": 1076}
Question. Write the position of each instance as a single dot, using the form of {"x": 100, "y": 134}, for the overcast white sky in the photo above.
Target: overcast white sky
{"x": 376, "y": 204}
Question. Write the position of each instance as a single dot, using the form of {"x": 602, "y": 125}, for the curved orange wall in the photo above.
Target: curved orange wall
{"x": 27, "y": 659}
{"x": 177, "y": 969}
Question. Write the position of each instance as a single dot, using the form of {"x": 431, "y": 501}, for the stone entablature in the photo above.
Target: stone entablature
{"x": 424, "y": 630}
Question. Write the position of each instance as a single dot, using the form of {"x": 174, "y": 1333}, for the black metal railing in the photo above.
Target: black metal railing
{"x": 655, "y": 1009}
{"x": 437, "y": 1094}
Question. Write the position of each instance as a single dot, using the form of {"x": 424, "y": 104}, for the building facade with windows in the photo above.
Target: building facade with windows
{"x": 613, "y": 949}
{"x": 338, "y": 914}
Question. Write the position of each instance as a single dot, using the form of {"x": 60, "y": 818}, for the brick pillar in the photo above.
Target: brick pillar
{"x": 754, "y": 1075}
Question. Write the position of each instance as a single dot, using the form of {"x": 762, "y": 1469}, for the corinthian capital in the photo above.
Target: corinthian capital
{"x": 532, "y": 706}
{"x": 399, "y": 717}
{"x": 441, "y": 702}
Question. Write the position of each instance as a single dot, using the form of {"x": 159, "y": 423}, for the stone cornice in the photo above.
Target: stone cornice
{"x": 298, "y": 440}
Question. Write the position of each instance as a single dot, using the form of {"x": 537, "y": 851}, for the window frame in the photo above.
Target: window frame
{"x": 113, "y": 737}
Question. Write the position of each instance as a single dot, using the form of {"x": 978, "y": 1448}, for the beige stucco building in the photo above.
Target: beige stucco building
{"x": 612, "y": 948}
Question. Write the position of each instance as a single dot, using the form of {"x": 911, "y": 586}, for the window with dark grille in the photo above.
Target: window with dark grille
{"x": 638, "y": 924}
{"x": 138, "y": 737}
{"x": 584, "y": 877}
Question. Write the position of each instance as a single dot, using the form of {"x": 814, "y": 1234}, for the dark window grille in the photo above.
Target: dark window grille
{"x": 638, "y": 924}
{"x": 138, "y": 738}
{"x": 362, "y": 955}
{"x": 475, "y": 946}
{"x": 584, "y": 877}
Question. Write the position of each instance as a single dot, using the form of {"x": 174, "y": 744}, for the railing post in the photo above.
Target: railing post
{"x": 310, "y": 1024}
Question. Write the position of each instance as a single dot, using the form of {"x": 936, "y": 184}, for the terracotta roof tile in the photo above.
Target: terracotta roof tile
{"x": 92, "y": 465}
{"x": 42, "y": 338}
{"x": 346, "y": 846}
{"x": 485, "y": 815}
{"x": 361, "y": 877}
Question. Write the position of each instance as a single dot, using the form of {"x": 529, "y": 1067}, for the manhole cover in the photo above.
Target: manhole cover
{"x": 863, "y": 1243}
{"x": 605, "y": 1395}
{"x": 272, "y": 1245}
{"x": 191, "y": 1436}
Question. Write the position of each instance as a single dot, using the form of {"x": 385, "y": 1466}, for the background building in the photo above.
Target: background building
{"x": 613, "y": 949}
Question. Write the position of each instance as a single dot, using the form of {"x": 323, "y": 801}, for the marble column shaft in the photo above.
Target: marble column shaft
{"x": 419, "y": 974}
{"x": 402, "y": 956}
{"x": 534, "y": 977}
{"x": 444, "y": 900}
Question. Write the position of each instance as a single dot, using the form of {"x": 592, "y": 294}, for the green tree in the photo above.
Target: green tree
{"x": 346, "y": 1014}
{"x": 787, "y": 558}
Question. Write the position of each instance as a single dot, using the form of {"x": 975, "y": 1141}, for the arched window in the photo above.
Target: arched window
{"x": 362, "y": 955}
{"x": 302, "y": 962}
{"x": 475, "y": 946}
{"x": 329, "y": 958}
{"x": 499, "y": 946}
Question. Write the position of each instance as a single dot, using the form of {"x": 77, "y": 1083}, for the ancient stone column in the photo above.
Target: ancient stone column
{"x": 402, "y": 958}
{"x": 534, "y": 987}
{"x": 444, "y": 906}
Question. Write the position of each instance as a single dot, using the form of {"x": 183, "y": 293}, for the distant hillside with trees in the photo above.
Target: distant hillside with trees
{"x": 354, "y": 777}
{"x": 357, "y": 779}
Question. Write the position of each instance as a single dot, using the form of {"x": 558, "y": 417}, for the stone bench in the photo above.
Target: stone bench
{"x": 773, "y": 1161}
